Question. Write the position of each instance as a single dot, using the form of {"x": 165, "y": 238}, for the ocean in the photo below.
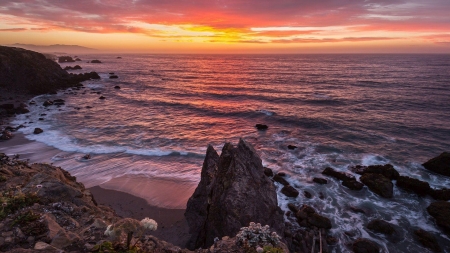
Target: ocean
{"x": 339, "y": 110}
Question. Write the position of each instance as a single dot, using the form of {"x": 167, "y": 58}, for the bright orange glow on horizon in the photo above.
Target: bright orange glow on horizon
{"x": 233, "y": 26}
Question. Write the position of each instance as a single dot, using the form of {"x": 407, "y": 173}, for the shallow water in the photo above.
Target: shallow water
{"x": 339, "y": 110}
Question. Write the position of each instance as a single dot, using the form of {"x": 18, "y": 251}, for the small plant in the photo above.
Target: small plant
{"x": 256, "y": 235}
{"x": 13, "y": 201}
{"x": 129, "y": 227}
{"x": 25, "y": 218}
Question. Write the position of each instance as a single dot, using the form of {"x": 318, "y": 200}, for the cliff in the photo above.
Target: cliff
{"x": 31, "y": 72}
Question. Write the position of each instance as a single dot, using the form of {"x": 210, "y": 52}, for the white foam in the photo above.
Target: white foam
{"x": 266, "y": 112}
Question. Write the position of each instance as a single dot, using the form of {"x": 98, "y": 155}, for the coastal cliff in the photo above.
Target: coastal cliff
{"x": 31, "y": 72}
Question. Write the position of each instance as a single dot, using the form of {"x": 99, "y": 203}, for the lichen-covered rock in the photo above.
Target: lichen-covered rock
{"x": 237, "y": 193}
{"x": 378, "y": 184}
{"x": 439, "y": 164}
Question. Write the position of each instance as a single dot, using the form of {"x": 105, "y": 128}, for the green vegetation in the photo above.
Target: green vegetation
{"x": 25, "y": 218}
{"x": 11, "y": 201}
{"x": 109, "y": 247}
{"x": 270, "y": 249}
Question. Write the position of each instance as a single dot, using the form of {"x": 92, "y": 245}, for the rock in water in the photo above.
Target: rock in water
{"x": 414, "y": 185}
{"x": 427, "y": 239}
{"x": 363, "y": 245}
{"x": 381, "y": 226}
{"x": 233, "y": 191}
{"x": 441, "y": 212}
{"x": 261, "y": 127}
{"x": 37, "y": 130}
{"x": 439, "y": 164}
{"x": 379, "y": 184}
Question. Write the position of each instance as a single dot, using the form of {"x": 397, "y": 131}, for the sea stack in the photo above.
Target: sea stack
{"x": 233, "y": 191}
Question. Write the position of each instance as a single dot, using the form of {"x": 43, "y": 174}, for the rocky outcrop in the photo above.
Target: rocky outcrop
{"x": 63, "y": 59}
{"x": 378, "y": 184}
{"x": 31, "y": 72}
{"x": 386, "y": 170}
{"x": 441, "y": 212}
{"x": 439, "y": 164}
{"x": 233, "y": 191}
{"x": 381, "y": 226}
{"x": 413, "y": 185}
{"x": 338, "y": 174}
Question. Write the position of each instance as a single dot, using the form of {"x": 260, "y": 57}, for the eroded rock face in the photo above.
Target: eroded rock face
{"x": 439, "y": 164}
{"x": 233, "y": 192}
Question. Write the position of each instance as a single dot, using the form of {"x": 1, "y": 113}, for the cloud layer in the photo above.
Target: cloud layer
{"x": 234, "y": 21}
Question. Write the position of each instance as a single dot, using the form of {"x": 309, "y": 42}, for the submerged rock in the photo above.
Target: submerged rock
{"x": 261, "y": 127}
{"x": 441, "y": 212}
{"x": 37, "y": 130}
{"x": 292, "y": 147}
{"x": 320, "y": 180}
{"x": 439, "y": 164}
{"x": 363, "y": 245}
{"x": 353, "y": 185}
{"x": 378, "y": 184}
{"x": 427, "y": 240}
{"x": 278, "y": 178}
{"x": 113, "y": 77}
{"x": 290, "y": 191}
{"x": 96, "y": 61}
{"x": 381, "y": 226}
{"x": 233, "y": 191}
{"x": 337, "y": 174}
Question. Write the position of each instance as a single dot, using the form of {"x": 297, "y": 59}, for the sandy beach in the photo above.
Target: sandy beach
{"x": 128, "y": 196}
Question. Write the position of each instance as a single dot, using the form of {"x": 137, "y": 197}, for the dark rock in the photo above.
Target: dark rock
{"x": 307, "y": 194}
{"x": 289, "y": 191}
{"x": 378, "y": 184}
{"x": 268, "y": 172}
{"x": 47, "y": 103}
{"x": 386, "y": 170}
{"x": 6, "y": 135}
{"x": 41, "y": 119}
{"x": 87, "y": 156}
{"x": 357, "y": 210}
{"x": 439, "y": 164}
{"x": 113, "y": 77}
{"x": 441, "y": 212}
{"x": 7, "y": 106}
{"x": 320, "y": 180}
{"x": 292, "y": 147}
{"x": 353, "y": 185}
{"x": 233, "y": 191}
{"x": 307, "y": 209}
{"x": 101, "y": 97}
{"x": 76, "y": 67}
{"x": 62, "y": 59}
{"x": 37, "y": 130}
{"x": 77, "y": 59}
{"x": 319, "y": 221}
{"x": 363, "y": 245}
{"x": 442, "y": 194}
{"x": 332, "y": 240}
{"x": 111, "y": 73}
{"x": 381, "y": 226}
{"x": 280, "y": 179}
{"x": 118, "y": 57}
{"x": 427, "y": 240}
{"x": 117, "y": 87}
{"x": 293, "y": 208}
{"x": 413, "y": 185}
{"x": 32, "y": 102}
{"x": 96, "y": 61}
{"x": 337, "y": 174}
{"x": 261, "y": 127}
{"x": 282, "y": 174}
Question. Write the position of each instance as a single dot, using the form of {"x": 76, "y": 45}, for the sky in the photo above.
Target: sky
{"x": 231, "y": 26}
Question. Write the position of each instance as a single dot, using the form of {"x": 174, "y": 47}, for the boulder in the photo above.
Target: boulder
{"x": 278, "y": 178}
{"x": 233, "y": 191}
{"x": 6, "y": 135}
{"x": 353, "y": 185}
{"x": 117, "y": 87}
{"x": 96, "y": 61}
{"x": 77, "y": 59}
{"x": 102, "y": 97}
{"x": 113, "y": 77}
{"x": 413, "y": 185}
{"x": 337, "y": 174}
{"x": 381, "y": 226}
{"x": 37, "y": 130}
{"x": 47, "y": 103}
{"x": 319, "y": 221}
{"x": 386, "y": 170}
{"x": 427, "y": 240}
{"x": 268, "y": 172}
{"x": 439, "y": 164}
{"x": 441, "y": 212}
{"x": 292, "y": 147}
{"x": 289, "y": 191}
{"x": 308, "y": 217}
{"x": 442, "y": 194}
{"x": 261, "y": 127}
{"x": 363, "y": 245}
{"x": 378, "y": 184}
{"x": 307, "y": 194}
{"x": 320, "y": 180}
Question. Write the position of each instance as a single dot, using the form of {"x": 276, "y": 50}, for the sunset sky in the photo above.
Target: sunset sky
{"x": 231, "y": 26}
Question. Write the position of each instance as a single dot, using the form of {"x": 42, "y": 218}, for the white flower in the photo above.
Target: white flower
{"x": 149, "y": 224}
{"x": 109, "y": 231}
{"x": 259, "y": 250}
